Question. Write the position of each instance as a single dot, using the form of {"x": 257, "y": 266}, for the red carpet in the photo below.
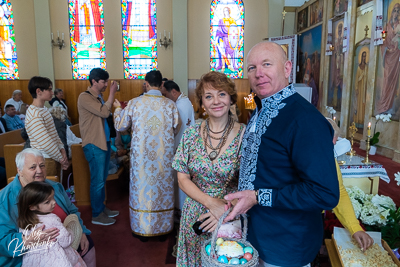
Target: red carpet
{"x": 388, "y": 189}
{"x": 115, "y": 245}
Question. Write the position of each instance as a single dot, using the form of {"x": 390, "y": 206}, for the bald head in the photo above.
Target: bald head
{"x": 274, "y": 45}
{"x": 268, "y": 69}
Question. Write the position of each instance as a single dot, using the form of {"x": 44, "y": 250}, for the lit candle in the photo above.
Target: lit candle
{"x": 334, "y": 119}
{"x": 369, "y": 129}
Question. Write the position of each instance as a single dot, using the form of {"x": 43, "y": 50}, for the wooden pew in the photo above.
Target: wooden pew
{"x": 81, "y": 172}
{"x": 11, "y": 152}
{"x": 12, "y": 137}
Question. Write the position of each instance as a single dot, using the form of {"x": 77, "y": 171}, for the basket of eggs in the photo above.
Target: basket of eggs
{"x": 225, "y": 252}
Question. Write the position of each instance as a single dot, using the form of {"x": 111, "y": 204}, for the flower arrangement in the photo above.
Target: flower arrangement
{"x": 330, "y": 110}
{"x": 385, "y": 118}
{"x": 377, "y": 213}
{"x": 397, "y": 178}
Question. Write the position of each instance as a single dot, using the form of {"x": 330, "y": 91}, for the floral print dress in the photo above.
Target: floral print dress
{"x": 191, "y": 158}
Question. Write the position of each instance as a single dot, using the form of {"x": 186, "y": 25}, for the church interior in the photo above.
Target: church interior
{"x": 345, "y": 53}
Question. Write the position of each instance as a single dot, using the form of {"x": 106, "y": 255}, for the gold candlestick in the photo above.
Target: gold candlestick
{"x": 352, "y": 130}
{"x": 366, "y": 160}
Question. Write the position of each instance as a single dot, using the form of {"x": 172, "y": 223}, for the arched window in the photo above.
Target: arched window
{"x": 88, "y": 47}
{"x": 139, "y": 37}
{"x": 226, "y": 37}
{"x": 8, "y": 49}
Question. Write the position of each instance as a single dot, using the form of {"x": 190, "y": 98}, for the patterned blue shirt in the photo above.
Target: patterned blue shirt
{"x": 287, "y": 154}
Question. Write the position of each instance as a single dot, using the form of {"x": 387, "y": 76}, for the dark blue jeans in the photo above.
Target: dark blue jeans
{"x": 98, "y": 163}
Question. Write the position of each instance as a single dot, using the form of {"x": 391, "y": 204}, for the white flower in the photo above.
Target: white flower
{"x": 383, "y": 203}
{"x": 357, "y": 207}
{"x": 397, "y": 178}
{"x": 378, "y": 117}
{"x": 356, "y": 193}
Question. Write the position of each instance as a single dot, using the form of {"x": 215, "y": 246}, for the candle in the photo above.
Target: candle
{"x": 169, "y": 35}
{"x": 58, "y": 33}
{"x": 62, "y": 36}
{"x": 51, "y": 36}
{"x": 369, "y": 129}
{"x": 334, "y": 119}
{"x": 164, "y": 33}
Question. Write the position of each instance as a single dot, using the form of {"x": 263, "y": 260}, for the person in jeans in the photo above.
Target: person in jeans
{"x": 96, "y": 141}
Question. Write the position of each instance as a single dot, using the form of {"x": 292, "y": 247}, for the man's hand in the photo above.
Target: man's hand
{"x": 84, "y": 244}
{"x": 113, "y": 87}
{"x": 363, "y": 240}
{"x": 245, "y": 201}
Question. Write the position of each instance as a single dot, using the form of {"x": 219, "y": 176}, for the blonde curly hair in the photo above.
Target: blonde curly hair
{"x": 58, "y": 113}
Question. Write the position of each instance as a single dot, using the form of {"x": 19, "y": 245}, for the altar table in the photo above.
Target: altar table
{"x": 365, "y": 176}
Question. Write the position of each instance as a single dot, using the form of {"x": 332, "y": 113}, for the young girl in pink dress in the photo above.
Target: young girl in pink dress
{"x": 35, "y": 206}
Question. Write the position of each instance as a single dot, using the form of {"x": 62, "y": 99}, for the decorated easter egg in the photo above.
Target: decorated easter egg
{"x": 247, "y": 256}
{"x": 242, "y": 261}
{"x": 248, "y": 249}
{"x": 223, "y": 259}
{"x": 234, "y": 261}
{"x": 219, "y": 241}
{"x": 208, "y": 249}
{"x": 243, "y": 246}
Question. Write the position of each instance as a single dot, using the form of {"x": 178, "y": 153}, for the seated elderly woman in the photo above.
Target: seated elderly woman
{"x": 59, "y": 101}
{"x": 31, "y": 167}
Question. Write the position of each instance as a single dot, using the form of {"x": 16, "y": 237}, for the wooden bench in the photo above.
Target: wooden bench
{"x": 81, "y": 171}
{"x": 12, "y": 137}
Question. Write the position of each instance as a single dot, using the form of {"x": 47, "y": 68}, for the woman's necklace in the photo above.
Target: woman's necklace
{"x": 216, "y": 150}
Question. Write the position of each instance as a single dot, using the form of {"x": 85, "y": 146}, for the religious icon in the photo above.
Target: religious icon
{"x": 227, "y": 26}
{"x": 316, "y": 12}
{"x": 360, "y": 80}
{"x": 387, "y": 98}
{"x": 302, "y": 19}
{"x": 336, "y": 69}
{"x": 340, "y": 6}
{"x": 309, "y": 51}
{"x": 362, "y": 2}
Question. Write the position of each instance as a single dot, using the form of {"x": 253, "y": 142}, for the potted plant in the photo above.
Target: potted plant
{"x": 375, "y": 138}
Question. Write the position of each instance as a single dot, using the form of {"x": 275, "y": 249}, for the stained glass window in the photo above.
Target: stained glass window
{"x": 139, "y": 37}
{"x": 226, "y": 37}
{"x": 88, "y": 47}
{"x": 8, "y": 49}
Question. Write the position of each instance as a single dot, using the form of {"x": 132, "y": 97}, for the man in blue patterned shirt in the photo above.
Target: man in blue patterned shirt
{"x": 287, "y": 170}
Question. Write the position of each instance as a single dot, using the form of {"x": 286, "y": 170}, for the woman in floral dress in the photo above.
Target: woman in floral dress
{"x": 207, "y": 161}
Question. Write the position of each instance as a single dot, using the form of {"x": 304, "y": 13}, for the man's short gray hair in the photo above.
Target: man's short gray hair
{"x": 17, "y": 92}
{"x": 20, "y": 158}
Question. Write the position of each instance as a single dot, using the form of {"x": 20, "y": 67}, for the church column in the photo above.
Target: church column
{"x": 43, "y": 38}
{"x": 180, "y": 43}
{"x": 348, "y": 67}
